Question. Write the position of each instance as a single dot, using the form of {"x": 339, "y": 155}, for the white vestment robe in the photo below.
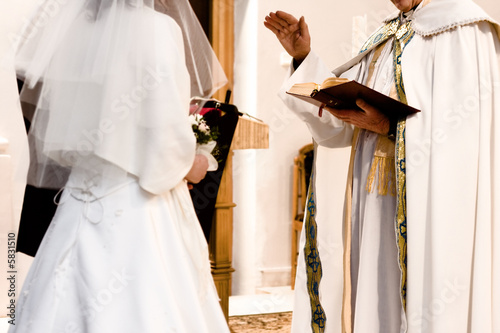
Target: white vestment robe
{"x": 451, "y": 73}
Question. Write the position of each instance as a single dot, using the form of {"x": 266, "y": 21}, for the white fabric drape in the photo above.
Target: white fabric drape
{"x": 452, "y": 185}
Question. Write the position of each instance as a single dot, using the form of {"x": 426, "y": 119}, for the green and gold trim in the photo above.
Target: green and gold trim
{"x": 403, "y": 34}
{"x": 403, "y": 37}
{"x": 314, "y": 269}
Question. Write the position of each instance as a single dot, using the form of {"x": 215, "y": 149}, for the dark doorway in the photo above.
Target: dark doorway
{"x": 202, "y": 8}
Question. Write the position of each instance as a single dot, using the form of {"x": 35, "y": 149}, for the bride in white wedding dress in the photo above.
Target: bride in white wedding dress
{"x": 111, "y": 85}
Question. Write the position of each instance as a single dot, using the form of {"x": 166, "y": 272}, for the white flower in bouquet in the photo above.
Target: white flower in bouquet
{"x": 205, "y": 140}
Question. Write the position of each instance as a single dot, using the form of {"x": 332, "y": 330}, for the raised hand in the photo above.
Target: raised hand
{"x": 293, "y": 34}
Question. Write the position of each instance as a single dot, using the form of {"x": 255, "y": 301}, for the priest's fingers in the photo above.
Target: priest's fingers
{"x": 277, "y": 29}
{"x": 345, "y": 114}
{"x": 269, "y": 24}
{"x": 304, "y": 29}
{"x": 370, "y": 118}
{"x": 302, "y": 43}
{"x": 272, "y": 21}
{"x": 366, "y": 107}
{"x": 341, "y": 114}
{"x": 279, "y": 24}
{"x": 348, "y": 116}
{"x": 286, "y": 18}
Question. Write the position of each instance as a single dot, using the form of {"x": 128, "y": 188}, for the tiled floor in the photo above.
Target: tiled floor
{"x": 265, "y": 312}
{"x": 265, "y": 323}
{"x": 270, "y": 310}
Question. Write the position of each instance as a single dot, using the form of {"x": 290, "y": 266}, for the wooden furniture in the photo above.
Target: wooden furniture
{"x": 302, "y": 165}
{"x": 249, "y": 134}
{"x": 222, "y": 38}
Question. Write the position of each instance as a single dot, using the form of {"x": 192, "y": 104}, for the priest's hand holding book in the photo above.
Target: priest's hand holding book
{"x": 370, "y": 118}
{"x": 354, "y": 103}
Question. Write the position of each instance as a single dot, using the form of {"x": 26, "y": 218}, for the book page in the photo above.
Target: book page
{"x": 305, "y": 89}
{"x": 333, "y": 81}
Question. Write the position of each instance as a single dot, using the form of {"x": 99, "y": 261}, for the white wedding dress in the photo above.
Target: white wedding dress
{"x": 125, "y": 251}
{"x": 118, "y": 259}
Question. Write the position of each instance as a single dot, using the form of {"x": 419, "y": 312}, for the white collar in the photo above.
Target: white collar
{"x": 442, "y": 15}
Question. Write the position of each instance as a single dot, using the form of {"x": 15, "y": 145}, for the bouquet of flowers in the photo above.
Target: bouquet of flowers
{"x": 205, "y": 140}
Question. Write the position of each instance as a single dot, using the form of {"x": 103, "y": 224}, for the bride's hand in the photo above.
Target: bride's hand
{"x": 198, "y": 170}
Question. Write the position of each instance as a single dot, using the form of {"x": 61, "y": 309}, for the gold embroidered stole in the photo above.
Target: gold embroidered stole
{"x": 403, "y": 37}
{"x": 389, "y": 161}
{"x": 382, "y": 166}
{"x": 389, "y": 164}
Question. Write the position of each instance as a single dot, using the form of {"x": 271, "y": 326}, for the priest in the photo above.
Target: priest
{"x": 421, "y": 222}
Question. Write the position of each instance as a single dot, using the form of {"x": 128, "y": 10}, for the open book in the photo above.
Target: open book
{"x": 341, "y": 93}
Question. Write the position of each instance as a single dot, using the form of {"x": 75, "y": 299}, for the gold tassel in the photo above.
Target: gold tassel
{"x": 386, "y": 176}
{"x": 371, "y": 175}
